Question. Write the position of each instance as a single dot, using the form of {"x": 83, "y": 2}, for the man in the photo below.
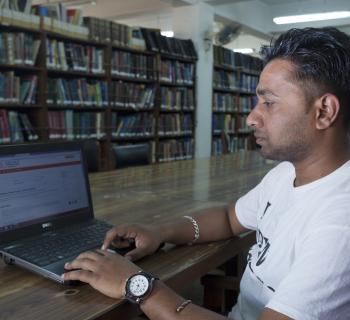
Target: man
{"x": 300, "y": 266}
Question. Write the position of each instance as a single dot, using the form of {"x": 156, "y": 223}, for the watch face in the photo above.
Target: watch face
{"x": 139, "y": 285}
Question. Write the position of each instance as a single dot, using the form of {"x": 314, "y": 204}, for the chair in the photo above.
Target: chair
{"x": 131, "y": 155}
{"x": 222, "y": 288}
{"x": 91, "y": 149}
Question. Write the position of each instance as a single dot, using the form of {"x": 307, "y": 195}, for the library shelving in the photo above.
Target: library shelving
{"x": 19, "y": 77}
{"x": 235, "y": 77}
{"x": 132, "y": 98}
{"x": 56, "y": 86}
{"x": 176, "y": 108}
{"x": 175, "y": 96}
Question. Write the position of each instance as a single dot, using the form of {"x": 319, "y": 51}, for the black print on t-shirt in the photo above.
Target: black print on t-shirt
{"x": 263, "y": 245}
{"x": 268, "y": 204}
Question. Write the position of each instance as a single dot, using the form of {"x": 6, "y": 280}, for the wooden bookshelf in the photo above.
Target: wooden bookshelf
{"x": 176, "y": 108}
{"x": 97, "y": 89}
{"x": 235, "y": 78}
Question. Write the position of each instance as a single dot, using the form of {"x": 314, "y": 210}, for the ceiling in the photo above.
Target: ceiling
{"x": 255, "y": 16}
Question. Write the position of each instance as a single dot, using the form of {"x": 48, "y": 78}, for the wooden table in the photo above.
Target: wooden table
{"x": 147, "y": 195}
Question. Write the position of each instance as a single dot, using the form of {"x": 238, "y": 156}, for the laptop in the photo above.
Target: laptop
{"x": 46, "y": 214}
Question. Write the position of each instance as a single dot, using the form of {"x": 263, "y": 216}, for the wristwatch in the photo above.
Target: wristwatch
{"x": 139, "y": 286}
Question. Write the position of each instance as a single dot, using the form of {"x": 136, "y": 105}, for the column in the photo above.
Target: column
{"x": 194, "y": 22}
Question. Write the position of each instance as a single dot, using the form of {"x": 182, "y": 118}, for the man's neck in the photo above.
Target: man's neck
{"x": 320, "y": 164}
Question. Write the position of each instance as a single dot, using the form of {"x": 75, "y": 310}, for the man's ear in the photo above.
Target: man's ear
{"x": 327, "y": 111}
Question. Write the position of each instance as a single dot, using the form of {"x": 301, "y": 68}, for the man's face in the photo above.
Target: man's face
{"x": 282, "y": 120}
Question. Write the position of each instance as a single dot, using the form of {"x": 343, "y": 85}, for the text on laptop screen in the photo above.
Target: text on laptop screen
{"x": 36, "y": 187}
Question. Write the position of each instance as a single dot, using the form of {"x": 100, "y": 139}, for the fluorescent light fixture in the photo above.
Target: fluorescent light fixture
{"x": 312, "y": 17}
{"x": 244, "y": 50}
{"x": 169, "y": 34}
{"x": 78, "y": 4}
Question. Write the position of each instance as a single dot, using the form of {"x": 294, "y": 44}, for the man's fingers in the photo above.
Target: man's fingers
{"x": 119, "y": 237}
{"x": 82, "y": 263}
{"x": 136, "y": 254}
{"x": 82, "y": 275}
{"x": 120, "y": 243}
{"x": 111, "y": 235}
{"x": 92, "y": 255}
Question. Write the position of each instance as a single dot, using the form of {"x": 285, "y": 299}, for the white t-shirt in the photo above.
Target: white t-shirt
{"x": 300, "y": 265}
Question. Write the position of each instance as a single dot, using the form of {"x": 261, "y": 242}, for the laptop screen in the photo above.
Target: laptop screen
{"x": 41, "y": 186}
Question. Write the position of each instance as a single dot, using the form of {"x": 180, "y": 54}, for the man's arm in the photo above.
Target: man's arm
{"x": 163, "y": 302}
{"x": 214, "y": 224}
{"x": 108, "y": 272}
{"x": 269, "y": 314}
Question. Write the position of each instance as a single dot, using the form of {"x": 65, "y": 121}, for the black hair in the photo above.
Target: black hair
{"x": 322, "y": 60}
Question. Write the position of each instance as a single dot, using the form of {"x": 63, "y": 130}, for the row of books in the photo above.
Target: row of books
{"x": 238, "y": 143}
{"x": 175, "y": 124}
{"x": 247, "y": 103}
{"x": 65, "y": 28}
{"x": 217, "y": 146}
{"x": 59, "y": 18}
{"x": 228, "y": 58}
{"x": 132, "y": 95}
{"x": 242, "y": 126}
{"x": 77, "y": 92}
{"x": 225, "y": 80}
{"x": 177, "y": 99}
{"x": 133, "y": 65}
{"x": 18, "y": 18}
{"x": 68, "y": 22}
{"x": 170, "y": 46}
{"x": 57, "y": 11}
{"x": 176, "y": 72}
{"x": 136, "y": 125}
{"x": 248, "y": 83}
{"x": 54, "y": 17}
{"x": 17, "y": 5}
{"x": 62, "y": 55}
{"x": 229, "y": 144}
{"x": 232, "y": 81}
{"x": 18, "y": 89}
{"x": 170, "y": 150}
{"x": 125, "y": 36}
{"x": 69, "y": 124}
{"x": 118, "y": 34}
{"x": 224, "y": 123}
{"x": 225, "y": 102}
{"x": 15, "y": 127}
{"x": 18, "y": 48}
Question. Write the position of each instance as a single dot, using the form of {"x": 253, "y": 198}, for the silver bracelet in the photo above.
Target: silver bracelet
{"x": 196, "y": 229}
{"x": 183, "y": 305}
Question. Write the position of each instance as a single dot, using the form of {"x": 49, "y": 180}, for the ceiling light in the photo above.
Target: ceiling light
{"x": 169, "y": 34}
{"x": 312, "y": 17}
{"x": 244, "y": 50}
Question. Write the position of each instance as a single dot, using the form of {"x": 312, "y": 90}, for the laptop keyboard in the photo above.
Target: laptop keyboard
{"x": 53, "y": 247}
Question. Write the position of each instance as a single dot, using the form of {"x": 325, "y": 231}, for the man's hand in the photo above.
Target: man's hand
{"x": 106, "y": 272}
{"x": 147, "y": 240}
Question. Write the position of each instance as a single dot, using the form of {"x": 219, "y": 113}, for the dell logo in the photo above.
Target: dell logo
{"x": 46, "y": 225}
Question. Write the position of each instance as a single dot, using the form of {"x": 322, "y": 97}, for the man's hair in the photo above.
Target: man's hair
{"x": 321, "y": 57}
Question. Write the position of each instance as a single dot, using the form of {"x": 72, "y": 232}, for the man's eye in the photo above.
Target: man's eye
{"x": 268, "y": 103}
